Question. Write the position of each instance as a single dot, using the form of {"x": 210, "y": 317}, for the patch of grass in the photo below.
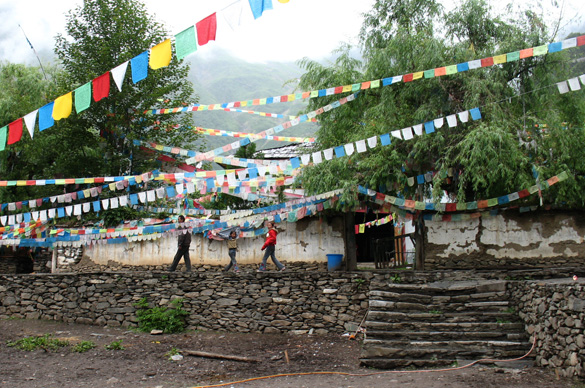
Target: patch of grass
{"x": 435, "y": 312}
{"x": 502, "y": 321}
{"x": 115, "y": 345}
{"x": 396, "y": 278}
{"x": 45, "y": 342}
{"x": 83, "y": 346}
{"x": 359, "y": 281}
{"x": 169, "y": 320}
{"x": 510, "y": 310}
{"x": 173, "y": 352}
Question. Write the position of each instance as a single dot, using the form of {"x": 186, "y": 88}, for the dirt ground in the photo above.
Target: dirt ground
{"x": 143, "y": 362}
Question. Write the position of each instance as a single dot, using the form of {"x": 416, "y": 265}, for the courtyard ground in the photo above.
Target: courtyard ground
{"x": 144, "y": 362}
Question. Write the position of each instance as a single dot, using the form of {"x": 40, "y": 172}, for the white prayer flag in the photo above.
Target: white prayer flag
{"x": 69, "y": 210}
{"x": 407, "y": 133}
{"x": 51, "y": 213}
{"x": 361, "y": 146}
{"x": 349, "y": 149}
{"x": 30, "y": 120}
{"x": 317, "y": 158}
{"x": 305, "y": 159}
{"x": 328, "y": 153}
{"x": 372, "y": 141}
{"x": 273, "y": 169}
{"x": 35, "y": 215}
{"x": 439, "y": 122}
{"x": 11, "y": 220}
{"x": 463, "y": 116}
{"x": 160, "y": 192}
{"x": 452, "y": 121}
{"x": 86, "y": 207}
{"x": 568, "y": 43}
{"x": 142, "y": 197}
{"x": 219, "y": 179}
{"x": 582, "y": 78}
{"x": 417, "y": 129}
{"x": 474, "y": 64}
{"x": 77, "y": 209}
{"x": 114, "y": 202}
{"x": 563, "y": 87}
{"x": 396, "y": 134}
{"x": 179, "y": 188}
{"x": 150, "y": 196}
{"x": 123, "y": 200}
{"x": 574, "y": 84}
{"x": 106, "y": 203}
{"x": 118, "y": 74}
{"x": 43, "y": 215}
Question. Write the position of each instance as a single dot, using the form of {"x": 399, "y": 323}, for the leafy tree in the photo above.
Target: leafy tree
{"x": 103, "y": 34}
{"x": 481, "y": 159}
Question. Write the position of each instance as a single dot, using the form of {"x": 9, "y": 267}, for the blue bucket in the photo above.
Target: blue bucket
{"x": 334, "y": 262}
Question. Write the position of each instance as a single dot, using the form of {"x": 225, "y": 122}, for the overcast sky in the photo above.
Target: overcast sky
{"x": 311, "y": 28}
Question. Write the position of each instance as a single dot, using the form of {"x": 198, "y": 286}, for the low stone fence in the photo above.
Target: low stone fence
{"x": 554, "y": 312}
{"x": 272, "y": 302}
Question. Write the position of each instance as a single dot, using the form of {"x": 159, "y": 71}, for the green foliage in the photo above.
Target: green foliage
{"x": 45, "y": 342}
{"x": 115, "y": 345}
{"x": 436, "y": 312}
{"x": 173, "y": 352}
{"x": 480, "y": 159}
{"x": 83, "y": 346}
{"x": 169, "y": 320}
{"x": 395, "y": 278}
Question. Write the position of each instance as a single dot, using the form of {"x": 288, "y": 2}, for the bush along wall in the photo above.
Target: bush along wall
{"x": 271, "y": 302}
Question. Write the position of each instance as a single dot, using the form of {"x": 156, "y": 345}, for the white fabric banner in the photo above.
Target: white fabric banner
{"x": 30, "y": 120}
{"x": 118, "y": 74}
{"x": 452, "y": 121}
{"x": 407, "y": 133}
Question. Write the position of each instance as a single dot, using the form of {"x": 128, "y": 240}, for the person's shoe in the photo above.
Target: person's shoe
{"x": 236, "y": 270}
{"x": 282, "y": 269}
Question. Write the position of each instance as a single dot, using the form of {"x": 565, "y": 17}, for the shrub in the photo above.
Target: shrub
{"x": 44, "y": 342}
{"x": 83, "y": 346}
{"x": 169, "y": 320}
{"x": 116, "y": 345}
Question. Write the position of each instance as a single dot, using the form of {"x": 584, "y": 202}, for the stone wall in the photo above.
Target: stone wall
{"x": 247, "y": 302}
{"x": 542, "y": 239}
{"x": 554, "y": 312}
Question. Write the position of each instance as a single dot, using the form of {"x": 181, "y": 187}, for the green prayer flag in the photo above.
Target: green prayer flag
{"x": 533, "y": 189}
{"x": 3, "y": 133}
{"x": 540, "y": 50}
{"x": 82, "y": 97}
{"x": 513, "y": 56}
{"x": 451, "y": 69}
{"x": 562, "y": 176}
{"x": 461, "y": 206}
{"x": 430, "y": 73}
{"x": 185, "y": 42}
{"x": 492, "y": 202}
{"x": 314, "y": 93}
{"x": 418, "y": 205}
{"x": 356, "y": 87}
{"x": 375, "y": 84}
{"x": 472, "y": 205}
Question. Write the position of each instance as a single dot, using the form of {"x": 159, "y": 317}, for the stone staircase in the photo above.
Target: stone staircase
{"x": 440, "y": 324}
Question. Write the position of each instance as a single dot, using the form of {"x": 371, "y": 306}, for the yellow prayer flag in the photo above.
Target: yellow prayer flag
{"x": 160, "y": 55}
{"x": 62, "y": 106}
{"x": 500, "y": 59}
{"x": 291, "y": 97}
{"x": 362, "y": 228}
{"x": 346, "y": 88}
{"x": 418, "y": 75}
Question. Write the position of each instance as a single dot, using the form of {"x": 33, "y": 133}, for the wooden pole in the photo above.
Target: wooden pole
{"x": 54, "y": 261}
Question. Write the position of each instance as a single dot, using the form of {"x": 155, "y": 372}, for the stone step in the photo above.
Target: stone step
{"x": 400, "y": 363}
{"x": 384, "y": 305}
{"x": 445, "y": 335}
{"x": 443, "y": 287}
{"x": 445, "y": 350}
{"x": 464, "y": 327}
{"x": 411, "y": 297}
{"x": 461, "y": 317}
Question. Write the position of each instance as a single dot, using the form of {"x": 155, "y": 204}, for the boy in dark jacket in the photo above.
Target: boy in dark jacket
{"x": 270, "y": 246}
{"x": 183, "y": 242}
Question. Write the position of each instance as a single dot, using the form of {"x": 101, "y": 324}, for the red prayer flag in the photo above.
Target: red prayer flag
{"x": 451, "y": 207}
{"x": 439, "y": 71}
{"x": 237, "y": 104}
{"x": 101, "y": 86}
{"x": 15, "y": 131}
{"x": 338, "y": 89}
{"x": 485, "y": 62}
{"x": 524, "y": 193}
{"x": 407, "y": 77}
{"x": 581, "y": 40}
{"x": 482, "y": 204}
{"x": 526, "y": 53}
{"x": 284, "y": 98}
{"x": 206, "y": 29}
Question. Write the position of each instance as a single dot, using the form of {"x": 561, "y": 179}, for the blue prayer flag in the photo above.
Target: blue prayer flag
{"x": 385, "y": 139}
{"x": 139, "y": 65}
{"x": 475, "y": 113}
{"x": 46, "y": 117}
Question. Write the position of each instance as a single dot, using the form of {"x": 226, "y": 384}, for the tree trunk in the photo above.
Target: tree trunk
{"x": 350, "y": 245}
{"x": 419, "y": 245}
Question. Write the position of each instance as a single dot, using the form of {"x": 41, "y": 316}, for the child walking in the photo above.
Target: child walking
{"x": 232, "y": 245}
{"x": 270, "y": 246}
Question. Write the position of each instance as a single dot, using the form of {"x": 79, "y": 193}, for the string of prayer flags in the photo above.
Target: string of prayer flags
{"x": 206, "y": 29}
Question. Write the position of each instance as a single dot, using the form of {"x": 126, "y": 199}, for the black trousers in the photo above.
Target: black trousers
{"x": 181, "y": 252}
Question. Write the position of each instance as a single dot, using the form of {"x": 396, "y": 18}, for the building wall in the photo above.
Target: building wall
{"x": 309, "y": 239}
{"x": 509, "y": 239}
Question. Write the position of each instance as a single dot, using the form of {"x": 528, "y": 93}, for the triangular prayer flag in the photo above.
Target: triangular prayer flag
{"x": 185, "y": 42}
{"x": 83, "y": 97}
{"x": 139, "y": 67}
{"x": 63, "y": 106}
{"x": 118, "y": 74}
{"x": 101, "y": 86}
{"x": 30, "y": 120}
{"x": 206, "y": 29}
{"x": 3, "y": 133}
{"x": 46, "y": 117}
{"x": 259, "y": 6}
{"x": 15, "y": 131}
{"x": 160, "y": 55}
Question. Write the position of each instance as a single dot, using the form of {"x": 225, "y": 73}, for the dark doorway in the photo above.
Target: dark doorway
{"x": 376, "y": 239}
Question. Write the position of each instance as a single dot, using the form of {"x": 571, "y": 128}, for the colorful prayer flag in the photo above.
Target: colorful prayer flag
{"x": 62, "y": 107}
{"x": 82, "y": 97}
{"x": 3, "y": 132}
{"x": 160, "y": 55}
{"x": 185, "y": 42}
{"x": 15, "y": 131}
{"x": 139, "y": 67}
{"x": 259, "y": 6}
{"x": 119, "y": 73}
{"x": 46, "y": 117}
{"x": 206, "y": 29}
{"x": 101, "y": 86}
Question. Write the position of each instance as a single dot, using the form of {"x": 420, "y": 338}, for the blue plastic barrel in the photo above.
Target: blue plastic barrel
{"x": 334, "y": 262}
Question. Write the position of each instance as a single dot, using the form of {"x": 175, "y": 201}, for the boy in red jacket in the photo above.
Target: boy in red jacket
{"x": 270, "y": 245}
